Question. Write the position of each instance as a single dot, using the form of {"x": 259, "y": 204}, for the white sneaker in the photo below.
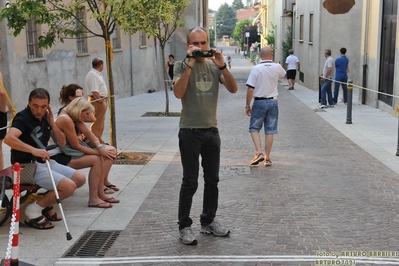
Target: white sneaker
{"x": 186, "y": 236}
{"x": 322, "y": 106}
{"x": 215, "y": 228}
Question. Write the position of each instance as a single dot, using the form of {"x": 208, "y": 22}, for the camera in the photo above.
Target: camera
{"x": 203, "y": 53}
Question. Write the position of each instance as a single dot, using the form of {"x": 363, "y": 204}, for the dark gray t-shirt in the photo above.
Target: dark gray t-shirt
{"x": 200, "y": 100}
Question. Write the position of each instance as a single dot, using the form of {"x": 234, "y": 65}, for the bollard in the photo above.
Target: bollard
{"x": 349, "y": 102}
{"x": 12, "y": 248}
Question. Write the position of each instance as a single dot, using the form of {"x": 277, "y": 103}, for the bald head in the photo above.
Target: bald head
{"x": 266, "y": 53}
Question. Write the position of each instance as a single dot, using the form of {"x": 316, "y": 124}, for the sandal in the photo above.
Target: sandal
{"x": 108, "y": 190}
{"x": 104, "y": 205}
{"x": 113, "y": 187}
{"x": 53, "y": 218}
{"x": 112, "y": 200}
{"x": 40, "y": 223}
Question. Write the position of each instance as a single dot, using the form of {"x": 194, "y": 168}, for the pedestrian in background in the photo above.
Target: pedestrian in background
{"x": 291, "y": 66}
{"x": 262, "y": 86}
{"x": 328, "y": 73}
{"x": 3, "y": 117}
{"x": 341, "y": 75}
{"x": 169, "y": 67}
{"x": 97, "y": 90}
{"x": 197, "y": 85}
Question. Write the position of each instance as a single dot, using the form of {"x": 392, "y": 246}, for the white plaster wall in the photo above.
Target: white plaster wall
{"x": 330, "y": 32}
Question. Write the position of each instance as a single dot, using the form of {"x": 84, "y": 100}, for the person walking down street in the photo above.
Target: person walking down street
{"x": 24, "y": 150}
{"x": 262, "y": 86}
{"x": 291, "y": 65}
{"x": 328, "y": 73}
{"x": 169, "y": 67}
{"x": 229, "y": 60}
{"x": 197, "y": 85}
{"x": 341, "y": 74}
{"x": 98, "y": 93}
{"x": 3, "y": 117}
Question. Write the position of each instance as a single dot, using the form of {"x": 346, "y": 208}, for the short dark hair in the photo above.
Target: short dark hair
{"x": 97, "y": 62}
{"x": 291, "y": 51}
{"x": 171, "y": 55}
{"x": 327, "y": 52}
{"x": 39, "y": 93}
{"x": 342, "y": 50}
{"x": 195, "y": 29}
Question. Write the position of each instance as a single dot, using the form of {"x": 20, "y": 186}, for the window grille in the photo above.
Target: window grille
{"x": 32, "y": 40}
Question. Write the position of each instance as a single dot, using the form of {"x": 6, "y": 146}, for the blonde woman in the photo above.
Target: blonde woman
{"x": 99, "y": 160}
{"x": 67, "y": 94}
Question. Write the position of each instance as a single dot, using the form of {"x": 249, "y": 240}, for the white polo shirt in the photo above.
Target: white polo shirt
{"x": 264, "y": 79}
{"x": 95, "y": 82}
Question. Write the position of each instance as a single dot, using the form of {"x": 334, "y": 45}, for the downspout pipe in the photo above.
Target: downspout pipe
{"x": 365, "y": 53}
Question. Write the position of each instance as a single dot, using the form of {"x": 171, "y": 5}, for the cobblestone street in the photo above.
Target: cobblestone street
{"x": 323, "y": 193}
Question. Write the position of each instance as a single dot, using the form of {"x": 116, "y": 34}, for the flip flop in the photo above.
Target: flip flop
{"x": 103, "y": 205}
{"x": 108, "y": 190}
{"x": 113, "y": 187}
{"x": 40, "y": 223}
{"x": 112, "y": 200}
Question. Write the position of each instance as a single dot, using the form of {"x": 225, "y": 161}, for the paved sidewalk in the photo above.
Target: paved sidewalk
{"x": 332, "y": 187}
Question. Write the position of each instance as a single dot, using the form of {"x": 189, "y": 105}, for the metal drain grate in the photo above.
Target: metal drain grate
{"x": 92, "y": 244}
{"x": 135, "y": 158}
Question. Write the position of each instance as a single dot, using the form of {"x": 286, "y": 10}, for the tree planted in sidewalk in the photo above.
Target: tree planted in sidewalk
{"x": 157, "y": 18}
{"x": 63, "y": 20}
{"x": 238, "y": 31}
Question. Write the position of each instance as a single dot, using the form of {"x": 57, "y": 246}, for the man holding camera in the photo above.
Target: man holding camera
{"x": 197, "y": 85}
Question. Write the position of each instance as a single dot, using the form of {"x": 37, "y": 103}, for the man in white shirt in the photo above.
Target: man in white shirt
{"x": 328, "y": 74}
{"x": 291, "y": 66}
{"x": 262, "y": 86}
{"x": 97, "y": 90}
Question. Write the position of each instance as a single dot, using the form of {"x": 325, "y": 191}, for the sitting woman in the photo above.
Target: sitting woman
{"x": 99, "y": 160}
{"x": 67, "y": 94}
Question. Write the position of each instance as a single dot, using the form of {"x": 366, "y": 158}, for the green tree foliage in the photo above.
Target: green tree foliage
{"x": 238, "y": 31}
{"x": 237, "y": 4}
{"x": 212, "y": 37}
{"x": 271, "y": 37}
{"x": 225, "y": 20}
{"x": 157, "y": 18}
{"x": 61, "y": 22}
{"x": 287, "y": 42}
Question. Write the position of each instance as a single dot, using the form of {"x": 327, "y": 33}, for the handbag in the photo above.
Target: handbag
{"x": 28, "y": 171}
{"x": 68, "y": 150}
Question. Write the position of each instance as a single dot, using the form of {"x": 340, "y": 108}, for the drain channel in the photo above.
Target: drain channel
{"x": 92, "y": 244}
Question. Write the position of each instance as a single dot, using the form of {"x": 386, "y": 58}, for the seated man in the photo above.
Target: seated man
{"x": 25, "y": 150}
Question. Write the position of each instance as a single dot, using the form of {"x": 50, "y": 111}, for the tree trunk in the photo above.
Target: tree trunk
{"x": 111, "y": 98}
